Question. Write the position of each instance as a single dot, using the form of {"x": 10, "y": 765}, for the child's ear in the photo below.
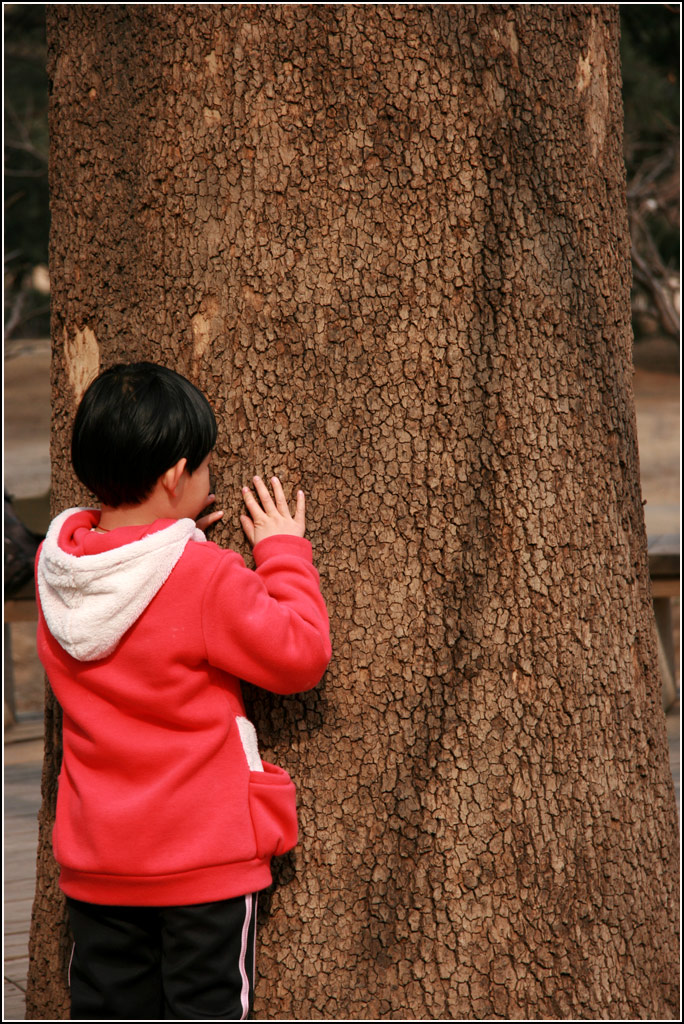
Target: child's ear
{"x": 171, "y": 478}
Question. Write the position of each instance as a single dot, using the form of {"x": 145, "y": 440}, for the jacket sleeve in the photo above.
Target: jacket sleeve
{"x": 269, "y": 626}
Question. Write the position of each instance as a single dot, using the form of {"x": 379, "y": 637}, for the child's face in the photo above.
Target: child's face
{"x": 196, "y": 488}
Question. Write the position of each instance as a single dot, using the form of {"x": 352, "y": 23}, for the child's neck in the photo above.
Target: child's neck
{"x": 157, "y": 506}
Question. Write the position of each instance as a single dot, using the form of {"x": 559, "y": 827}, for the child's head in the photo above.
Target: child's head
{"x": 134, "y": 422}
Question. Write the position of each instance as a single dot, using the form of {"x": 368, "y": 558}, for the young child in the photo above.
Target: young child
{"x": 167, "y": 818}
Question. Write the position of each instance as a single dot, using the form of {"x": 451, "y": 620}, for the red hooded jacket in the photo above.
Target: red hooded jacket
{"x": 145, "y": 633}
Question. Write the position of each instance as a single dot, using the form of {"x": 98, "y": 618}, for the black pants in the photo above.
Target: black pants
{"x": 163, "y": 963}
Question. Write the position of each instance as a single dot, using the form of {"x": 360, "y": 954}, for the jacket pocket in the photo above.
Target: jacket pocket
{"x": 272, "y": 805}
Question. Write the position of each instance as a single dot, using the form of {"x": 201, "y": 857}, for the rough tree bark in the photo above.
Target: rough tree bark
{"x": 391, "y": 245}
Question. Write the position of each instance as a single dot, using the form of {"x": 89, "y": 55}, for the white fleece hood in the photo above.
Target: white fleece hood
{"x": 89, "y": 601}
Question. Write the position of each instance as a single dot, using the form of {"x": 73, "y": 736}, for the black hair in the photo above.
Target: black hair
{"x": 134, "y": 422}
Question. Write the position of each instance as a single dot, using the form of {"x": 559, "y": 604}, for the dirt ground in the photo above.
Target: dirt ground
{"x": 658, "y": 427}
{"x": 27, "y": 467}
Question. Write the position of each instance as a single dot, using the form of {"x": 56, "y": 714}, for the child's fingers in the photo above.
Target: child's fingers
{"x": 204, "y": 522}
{"x": 279, "y": 494}
{"x": 253, "y": 506}
{"x": 300, "y": 511}
{"x": 264, "y": 496}
{"x": 271, "y": 519}
{"x": 248, "y": 527}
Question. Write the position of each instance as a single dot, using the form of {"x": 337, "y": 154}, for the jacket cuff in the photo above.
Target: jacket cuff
{"x": 282, "y": 544}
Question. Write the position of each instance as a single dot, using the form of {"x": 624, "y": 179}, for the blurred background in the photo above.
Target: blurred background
{"x": 651, "y": 79}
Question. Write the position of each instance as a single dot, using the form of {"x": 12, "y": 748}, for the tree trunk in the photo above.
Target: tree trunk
{"x": 390, "y": 243}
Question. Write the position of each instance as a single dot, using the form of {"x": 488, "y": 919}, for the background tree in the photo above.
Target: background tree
{"x": 651, "y": 60}
{"x": 26, "y": 211}
{"x": 391, "y": 244}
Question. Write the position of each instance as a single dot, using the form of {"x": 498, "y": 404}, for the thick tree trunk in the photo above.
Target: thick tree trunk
{"x": 391, "y": 245}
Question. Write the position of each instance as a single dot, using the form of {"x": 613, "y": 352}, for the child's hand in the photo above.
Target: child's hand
{"x": 269, "y": 519}
{"x": 204, "y": 522}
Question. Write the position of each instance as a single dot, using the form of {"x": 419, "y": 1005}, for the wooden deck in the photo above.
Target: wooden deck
{"x": 23, "y": 754}
{"x": 23, "y": 762}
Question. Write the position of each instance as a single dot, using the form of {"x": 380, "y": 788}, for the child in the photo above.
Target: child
{"x": 167, "y": 818}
